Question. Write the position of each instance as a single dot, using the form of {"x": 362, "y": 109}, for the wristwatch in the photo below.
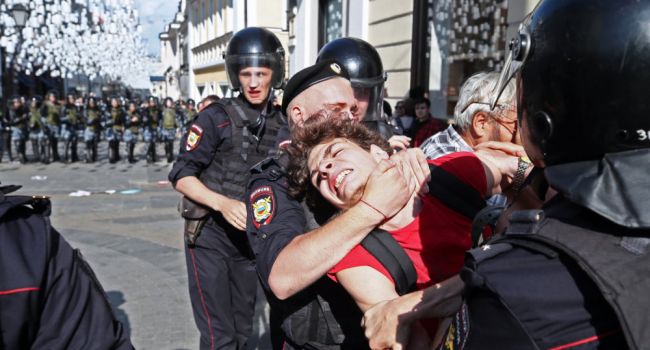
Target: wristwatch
{"x": 520, "y": 176}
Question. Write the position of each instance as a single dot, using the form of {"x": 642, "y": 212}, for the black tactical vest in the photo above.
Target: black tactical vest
{"x": 228, "y": 172}
{"x": 614, "y": 259}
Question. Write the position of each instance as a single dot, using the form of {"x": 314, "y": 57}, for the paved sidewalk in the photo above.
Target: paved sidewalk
{"x": 133, "y": 240}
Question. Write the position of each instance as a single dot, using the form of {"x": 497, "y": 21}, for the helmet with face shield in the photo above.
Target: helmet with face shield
{"x": 582, "y": 70}
{"x": 366, "y": 73}
{"x": 254, "y": 47}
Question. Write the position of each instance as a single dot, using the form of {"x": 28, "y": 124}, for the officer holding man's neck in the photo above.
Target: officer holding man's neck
{"x": 226, "y": 139}
{"x": 293, "y": 253}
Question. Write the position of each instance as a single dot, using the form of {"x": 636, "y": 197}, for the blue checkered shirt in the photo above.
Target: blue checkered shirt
{"x": 444, "y": 142}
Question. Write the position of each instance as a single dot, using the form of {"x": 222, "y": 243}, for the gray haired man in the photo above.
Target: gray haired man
{"x": 475, "y": 121}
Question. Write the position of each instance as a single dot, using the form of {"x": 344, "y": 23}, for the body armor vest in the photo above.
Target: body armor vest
{"x": 150, "y": 118}
{"x": 168, "y": 118}
{"x": 53, "y": 113}
{"x": 133, "y": 121}
{"x": 19, "y": 118}
{"x": 191, "y": 115}
{"x": 117, "y": 117}
{"x": 246, "y": 146}
{"x": 71, "y": 115}
{"x": 92, "y": 119}
{"x": 35, "y": 122}
{"x": 614, "y": 258}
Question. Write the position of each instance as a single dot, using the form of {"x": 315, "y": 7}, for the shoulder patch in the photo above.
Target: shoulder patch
{"x": 262, "y": 202}
{"x": 193, "y": 137}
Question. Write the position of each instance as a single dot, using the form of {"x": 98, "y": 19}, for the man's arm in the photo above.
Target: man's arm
{"x": 309, "y": 256}
{"x": 233, "y": 211}
{"x": 387, "y": 323}
{"x": 197, "y": 155}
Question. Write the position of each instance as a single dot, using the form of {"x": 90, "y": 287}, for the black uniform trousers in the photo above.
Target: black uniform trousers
{"x": 223, "y": 285}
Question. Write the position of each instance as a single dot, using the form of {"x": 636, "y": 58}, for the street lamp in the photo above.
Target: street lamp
{"x": 20, "y": 13}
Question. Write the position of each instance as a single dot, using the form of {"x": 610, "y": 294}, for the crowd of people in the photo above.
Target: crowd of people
{"x": 50, "y": 123}
{"x": 524, "y": 225}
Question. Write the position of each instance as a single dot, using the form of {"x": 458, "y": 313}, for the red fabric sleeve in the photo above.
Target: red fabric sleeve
{"x": 466, "y": 166}
{"x": 358, "y": 256}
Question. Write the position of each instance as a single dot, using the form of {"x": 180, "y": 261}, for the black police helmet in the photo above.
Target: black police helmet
{"x": 254, "y": 47}
{"x": 190, "y": 102}
{"x": 364, "y": 67}
{"x": 583, "y": 68}
{"x": 360, "y": 59}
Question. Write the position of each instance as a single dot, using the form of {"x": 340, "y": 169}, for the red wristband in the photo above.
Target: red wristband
{"x": 373, "y": 208}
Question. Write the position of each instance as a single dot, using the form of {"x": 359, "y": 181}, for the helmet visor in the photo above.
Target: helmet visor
{"x": 369, "y": 101}
{"x": 519, "y": 49}
{"x": 273, "y": 61}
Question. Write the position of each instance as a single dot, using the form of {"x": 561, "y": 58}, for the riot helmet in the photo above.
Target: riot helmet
{"x": 35, "y": 102}
{"x": 366, "y": 71}
{"x": 582, "y": 69}
{"x": 254, "y": 47}
{"x": 91, "y": 102}
{"x": 51, "y": 96}
{"x": 168, "y": 102}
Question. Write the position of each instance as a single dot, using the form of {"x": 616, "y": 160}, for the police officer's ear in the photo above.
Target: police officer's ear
{"x": 377, "y": 153}
{"x": 297, "y": 114}
{"x": 480, "y": 126}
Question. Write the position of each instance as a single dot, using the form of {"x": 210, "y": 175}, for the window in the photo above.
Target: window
{"x": 330, "y": 21}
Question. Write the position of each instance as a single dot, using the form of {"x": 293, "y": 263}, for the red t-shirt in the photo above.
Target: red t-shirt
{"x": 436, "y": 240}
{"x": 426, "y": 130}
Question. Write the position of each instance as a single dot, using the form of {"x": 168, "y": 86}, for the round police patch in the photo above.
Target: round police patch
{"x": 262, "y": 202}
{"x": 193, "y": 137}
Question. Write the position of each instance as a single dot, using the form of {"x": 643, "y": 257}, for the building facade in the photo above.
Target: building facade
{"x": 426, "y": 46}
{"x": 430, "y": 46}
{"x": 211, "y": 24}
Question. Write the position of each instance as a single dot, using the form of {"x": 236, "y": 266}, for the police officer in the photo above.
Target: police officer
{"x": 168, "y": 130}
{"x": 190, "y": 115}
{"x": 150, "y": 120}
{"x": 293, "y": 254}
{"x": 367, "y": 77}
{"x": 69, "y": 125}
{"x": 19, "y": 121}
{"x": 223, "y": 142}
{"x": 115, "y": 129}
{"x": 50, "y": 296}
{"x": 38, "y": 132}
{"x": 575, "y": 273}
{"x": 132, "y": 131}
{"x": 5, "y": 133}
{"x": 51, "y": 110}
{"x": 92, "y": 127}
{"x": 577, "y": 257}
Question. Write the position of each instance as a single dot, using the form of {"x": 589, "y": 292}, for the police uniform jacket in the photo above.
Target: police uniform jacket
{"x": 274, "y": 219}
{"x": 219, "y": 149}
{"x": 49, "y": 296}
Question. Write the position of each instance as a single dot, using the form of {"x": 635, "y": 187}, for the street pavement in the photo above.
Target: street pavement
{"x": 129, "y": 230}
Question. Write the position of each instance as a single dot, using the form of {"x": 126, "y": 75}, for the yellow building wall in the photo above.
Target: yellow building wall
{"x": 390, "y": 26}
{"x": 216, "y": 74}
